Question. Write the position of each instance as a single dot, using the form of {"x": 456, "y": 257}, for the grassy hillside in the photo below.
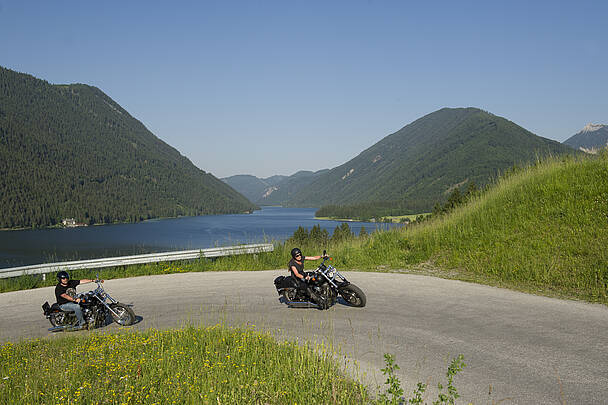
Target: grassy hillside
{"x": 546, "y": 227}
{"x": 543, "y": 229}
{"x": 70, "y": 151}
{"x": 424, "y": 161}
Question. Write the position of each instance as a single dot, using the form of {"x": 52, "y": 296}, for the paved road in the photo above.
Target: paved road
{"x": 522, "y": 346}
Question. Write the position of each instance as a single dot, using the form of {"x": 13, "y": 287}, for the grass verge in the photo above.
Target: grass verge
{"x": 191, "y": 365}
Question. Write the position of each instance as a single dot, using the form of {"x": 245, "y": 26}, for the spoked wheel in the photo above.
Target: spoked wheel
{"x": 124, "y": 315}
{"x": 353, "y": 295}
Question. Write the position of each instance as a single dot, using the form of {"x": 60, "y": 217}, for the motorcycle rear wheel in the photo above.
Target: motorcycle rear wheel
{"x": 353, "y": 295}
{"x": 125, "y": 317}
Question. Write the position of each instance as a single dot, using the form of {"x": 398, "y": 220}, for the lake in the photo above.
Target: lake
{"x": 21, "y": 248}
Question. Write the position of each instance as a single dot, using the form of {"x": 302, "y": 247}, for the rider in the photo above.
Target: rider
{"x": 296, "y": 268}
{"x": 64, "y": 291}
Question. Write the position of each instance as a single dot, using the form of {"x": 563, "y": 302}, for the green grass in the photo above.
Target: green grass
{"x": 541, "y": 229}
{"x": 188, "y": 366}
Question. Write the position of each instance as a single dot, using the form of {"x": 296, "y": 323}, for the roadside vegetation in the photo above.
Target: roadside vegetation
{"x": 193, "y": 365}
{"x": 213, "y": 365}
{"x": 541, "y": 229}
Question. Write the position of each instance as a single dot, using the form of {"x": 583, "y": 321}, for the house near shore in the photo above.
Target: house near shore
{"x": 71, "y": 223}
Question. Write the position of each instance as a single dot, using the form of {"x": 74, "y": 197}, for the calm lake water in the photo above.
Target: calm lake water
{"x": 20, "y": 248}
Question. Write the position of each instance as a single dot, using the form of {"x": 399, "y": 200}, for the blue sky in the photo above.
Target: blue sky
{"x": 273, "y": 87}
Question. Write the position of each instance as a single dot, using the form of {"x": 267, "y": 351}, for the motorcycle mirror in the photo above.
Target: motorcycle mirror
{"x": 324, "y": 252}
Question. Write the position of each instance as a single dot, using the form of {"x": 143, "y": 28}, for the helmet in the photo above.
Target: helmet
{"x": 295, "y": 252}
{"x": 62, "y": 274}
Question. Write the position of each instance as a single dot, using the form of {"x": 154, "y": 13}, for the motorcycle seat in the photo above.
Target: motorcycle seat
{"x": 284, "y": 282}
{"x": 56, "y": 307}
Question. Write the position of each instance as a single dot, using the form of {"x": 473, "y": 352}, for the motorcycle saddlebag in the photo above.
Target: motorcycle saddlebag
{"x": 284, "y": 282}
{"x": 46, "y": 308}
{"x": 50, "y": 308}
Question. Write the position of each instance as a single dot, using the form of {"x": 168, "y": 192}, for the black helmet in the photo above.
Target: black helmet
{"x": 295, "y": 252}
{"x": 63, "y": 274}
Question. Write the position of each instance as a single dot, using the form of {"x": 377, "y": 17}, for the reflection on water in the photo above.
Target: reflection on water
{"x": 20, "y": 248}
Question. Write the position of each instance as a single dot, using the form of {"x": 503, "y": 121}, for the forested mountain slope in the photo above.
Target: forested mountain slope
{"x": 423, "y": 162}
{"x": 70, "y": 151}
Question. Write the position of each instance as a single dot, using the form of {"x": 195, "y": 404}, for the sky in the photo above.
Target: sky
{"x": 274, "y": 87}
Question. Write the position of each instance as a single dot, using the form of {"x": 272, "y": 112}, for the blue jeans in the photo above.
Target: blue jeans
{"x": 72, "y": 306}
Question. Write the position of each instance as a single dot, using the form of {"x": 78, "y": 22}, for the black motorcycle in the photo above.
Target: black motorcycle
{"x": 324, "y": 286}
{"x": 96, "y": 306}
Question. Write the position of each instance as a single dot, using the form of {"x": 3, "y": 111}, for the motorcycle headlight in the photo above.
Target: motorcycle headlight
{"x": 331, "y": 274}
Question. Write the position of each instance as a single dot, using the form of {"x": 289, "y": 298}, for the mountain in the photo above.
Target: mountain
{"x": 252, "y": 187}
{"x": 591, "y": 138}
{"x": 282, "y": 192}
{"x": 420, "y": 164}
{"x": 275, "y": 190}
{"x": 70, "y": 151}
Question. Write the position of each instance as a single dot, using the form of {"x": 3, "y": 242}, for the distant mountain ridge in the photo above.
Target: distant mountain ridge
{"x": 70, "y": 151}
{"x": 590, "y": 139}
{"x": 253, "y": 187}
{"x": 420, "y": 164}
{"x": 274, "y": 190}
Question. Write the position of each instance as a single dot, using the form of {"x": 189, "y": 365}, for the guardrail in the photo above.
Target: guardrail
{"x": 137, "y": 259}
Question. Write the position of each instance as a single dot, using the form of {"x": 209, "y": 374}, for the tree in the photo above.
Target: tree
{"x": 300, "y": 236}
{"x": 318, "y": 236}
{"x": 342, "y": 232}
{"x": 363, "y": 232}
{"x": 454, "y": 200}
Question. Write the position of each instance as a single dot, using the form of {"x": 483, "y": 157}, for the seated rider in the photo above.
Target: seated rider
{"x": 65, "y": 292}
{"x": 296, "y": 268}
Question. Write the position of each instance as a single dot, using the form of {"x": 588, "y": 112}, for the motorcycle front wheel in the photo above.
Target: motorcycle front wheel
{"x": 353, "y": 295}
{"x": 124, "y": 314}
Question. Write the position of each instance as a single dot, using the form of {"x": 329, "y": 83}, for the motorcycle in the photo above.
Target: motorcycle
{"x": 325, "y": 283}
{"x": 96, "y": 305}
